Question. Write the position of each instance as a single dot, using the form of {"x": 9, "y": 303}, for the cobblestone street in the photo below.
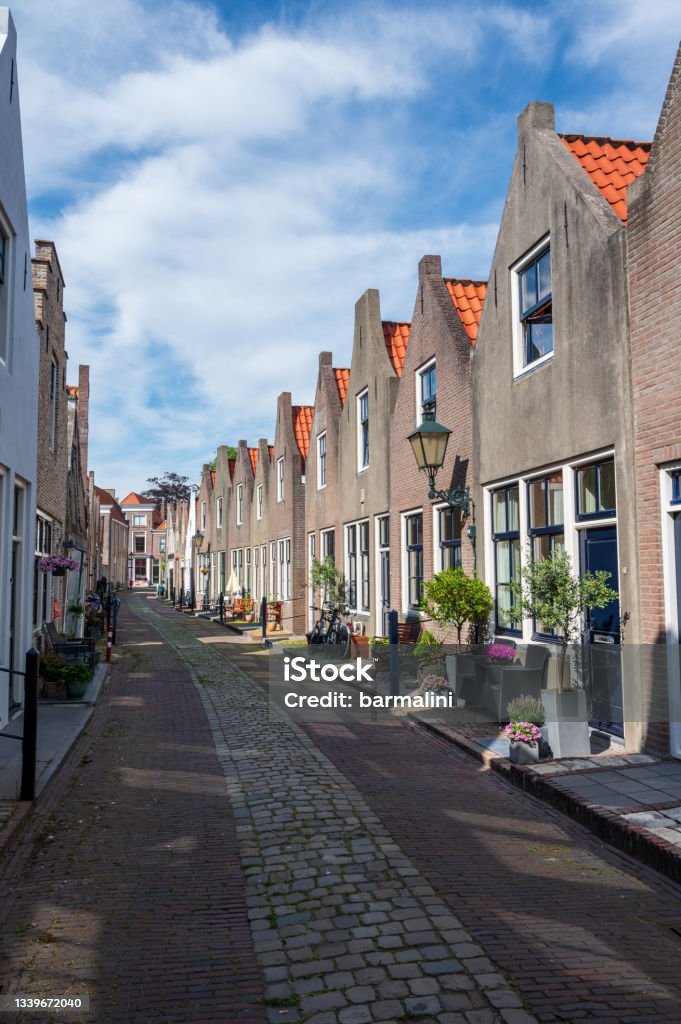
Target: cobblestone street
{"x": 204, "y": 858}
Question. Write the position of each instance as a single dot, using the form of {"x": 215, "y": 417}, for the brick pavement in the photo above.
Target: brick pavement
{"x": 581, "y": 932}
{"x": 126, "y": 884}
{"x": 345, "y": 927}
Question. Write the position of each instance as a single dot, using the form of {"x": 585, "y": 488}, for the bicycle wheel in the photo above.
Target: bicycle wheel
{"x": 343, "y": 642}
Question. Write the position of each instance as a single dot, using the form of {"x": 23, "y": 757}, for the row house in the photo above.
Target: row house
{"x": 112, "y": 540}
{"x": 19, "y": 380}
{"x": 142, "y": 517}
{"x": 654, "y": 237}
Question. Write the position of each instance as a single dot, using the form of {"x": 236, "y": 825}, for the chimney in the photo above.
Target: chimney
{"x": 83, "y": 415}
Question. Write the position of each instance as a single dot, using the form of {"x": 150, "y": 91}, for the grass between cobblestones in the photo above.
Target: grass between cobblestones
{"x": 345, "y": 929}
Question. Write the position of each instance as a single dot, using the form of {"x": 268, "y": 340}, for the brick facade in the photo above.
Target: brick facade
{"x": 654, "y": 235}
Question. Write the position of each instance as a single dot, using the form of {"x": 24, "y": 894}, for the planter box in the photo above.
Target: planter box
{"x": 523, "y": 753}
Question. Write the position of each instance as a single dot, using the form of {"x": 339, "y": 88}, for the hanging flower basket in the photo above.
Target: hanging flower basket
{"x": 57, "y": 564}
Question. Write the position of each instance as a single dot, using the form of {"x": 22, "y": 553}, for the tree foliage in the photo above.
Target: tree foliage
{"x": 453, "y": 598}
{"x": 326, "y": 577}
{"x": 169, "y": 487}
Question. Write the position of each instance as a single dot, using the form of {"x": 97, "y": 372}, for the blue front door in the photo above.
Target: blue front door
{"x": 603, "y": 676}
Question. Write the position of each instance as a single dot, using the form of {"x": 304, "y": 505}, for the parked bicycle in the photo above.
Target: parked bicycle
{"x": 332, "y": 630}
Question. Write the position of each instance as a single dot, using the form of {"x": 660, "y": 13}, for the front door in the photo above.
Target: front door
{"x": 603, "y": 677}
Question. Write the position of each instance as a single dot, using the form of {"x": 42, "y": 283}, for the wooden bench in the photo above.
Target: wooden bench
{"x": 68, "y": 650}
{"x": 409, "y": 632}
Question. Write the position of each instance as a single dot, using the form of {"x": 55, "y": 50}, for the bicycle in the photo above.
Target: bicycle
{"x": 330, "y": 629}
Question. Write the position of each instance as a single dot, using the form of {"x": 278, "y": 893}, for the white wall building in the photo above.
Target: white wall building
{"x": 19, "y": 373}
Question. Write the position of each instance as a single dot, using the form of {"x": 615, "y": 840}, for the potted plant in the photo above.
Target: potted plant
{"x": 527, "y": 708}
{"x": 380, "y": 650}
{"x": 57, "y": 564}
{"x": 429, "y": 654}
{"x": 434, "y": 683}
{"x": 523, "y": 742}
{"x": 502, "y": 654}
{"x": 452, "y": 598}
{"x": 94, "y": 623}
{"x": 77, "y": 677}
{"x": 52, "y": 669}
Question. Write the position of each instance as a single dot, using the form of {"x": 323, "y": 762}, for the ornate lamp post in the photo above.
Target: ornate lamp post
{"x": 429, "y": 444}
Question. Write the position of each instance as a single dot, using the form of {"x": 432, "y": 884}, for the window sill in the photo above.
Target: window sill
{"x": 536, "y": 365}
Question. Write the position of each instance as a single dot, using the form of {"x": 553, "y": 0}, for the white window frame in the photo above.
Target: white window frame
{"x": 418, "y": 374}
{"x": 139, "y": 519}
{"x": 239, "y": 504}
{"x": 363, "y": 466}
{"x": 321, "y": 485}
{"x": 203, "y": 515}
{"x": 672, "y": 623}
{"x": 273, "y": 568}
{"x": 258, "y": 502}
{"x": 285, "y": 569}
{"x": 359, "y": 590}
{"x": 520, "y": 367}
{"x": 218, "y": 513}
{"x": 280, "y": 479}
{"x": 6, "y": 290}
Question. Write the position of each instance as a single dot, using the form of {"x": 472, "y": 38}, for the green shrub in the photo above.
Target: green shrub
{"x": 52, "y": 668}
{"x": 526, "y": 708}
{"x": 428, "y": 649}
{"x": 77, "y": 673}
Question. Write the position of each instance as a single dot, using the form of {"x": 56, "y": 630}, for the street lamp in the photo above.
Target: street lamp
{"x": 429, "y": 445}
{"x": 197, "y": 540}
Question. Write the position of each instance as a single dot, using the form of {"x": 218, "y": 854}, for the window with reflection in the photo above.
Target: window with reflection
{"x": 596, "y": 490}
{"x": 506, "y": 537}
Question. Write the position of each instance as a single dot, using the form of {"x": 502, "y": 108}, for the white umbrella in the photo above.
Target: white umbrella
{"x": 233, "y": 586}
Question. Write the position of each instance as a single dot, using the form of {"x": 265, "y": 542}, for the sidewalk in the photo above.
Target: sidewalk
{"x": 60, "y": 723}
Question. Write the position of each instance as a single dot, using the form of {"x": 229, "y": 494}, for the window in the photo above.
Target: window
{"x": 363, "y": 430}
{"x": 285, "y": 569}
{"x": 263, "y": 561}
{"x": 140, "y": 542}
{"x": 258, "y": 502}
{"x": 676, "y": 487}
{"x": 248, "y": 570}
{"x": 4, "y": 291}
{"x": 329, "y": 545}
{"x": 218, "y": 513}
{"x": 427, "y": 385}
{"x": 364, "y": 599}
{"x": 414, "y": 550}
{"x": 506, "y": 538}
{"x": 321, "y": 461}
{"x": 203, "y": 515}
{"x": 546, "y": 529}
{"x": 222, "y": 571}
{"x": 141, "y": 569}
{"x": 280, "y": 479}
{"x": 53, "y": 405}
{"x": 162, "y": 545}
{"x": 351, "y": 546}
{"x": 535, "y": 307}
{"x": 449, "y": 522}
{"x": 596, "y": 490}
{"x": 42, "y": 581}
{"x": 239, "y": 504}
{"x": 139, "y": 520}
{"x": 256, "y": 573}
{"x": 273, "y": 568}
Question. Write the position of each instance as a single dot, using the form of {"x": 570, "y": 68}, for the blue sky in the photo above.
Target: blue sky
{"x": 223, "y": 181}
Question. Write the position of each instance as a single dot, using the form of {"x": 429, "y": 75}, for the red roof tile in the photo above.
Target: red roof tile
{"x": 253, "y": 456}
{"x": 342, "y": 381}
{"x": 396, "y": 340}
{"x": 212, "y": 477}
{"x": 468, "y": 298}
{"x": 302, "y": 425}
{"x": 162, "y": 526}
{"x": 612, "y": 165}
{"x": 135, "y": 499}
{"x": 270, "y": 449}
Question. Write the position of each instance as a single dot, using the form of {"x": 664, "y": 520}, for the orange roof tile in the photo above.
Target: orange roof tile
{"x": 468, "y": 298}
{"x": 302, "y": 425}
{"x": 270, "y": 449}
{"x": 612, "y": 165}
{"x": 342, "y": 381}
{"x": 253, "y": 456}
{"x": 162, "y": 526}
{"x": 396, "y": 340}
{"x": 135, "y": 499}
{"x": 212, "y": 477}
{"x": 72, "y": 389}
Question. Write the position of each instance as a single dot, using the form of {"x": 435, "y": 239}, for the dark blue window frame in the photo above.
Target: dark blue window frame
{"x": 536, "y": 307}
{"x": 501, "y": 536}
{"x": 429, "y": 389}
{"x": 600, "y": 513}
{"x": 552, "y": 531}
{"x": 414, "y": 531}
{"x": 450, "y": 549}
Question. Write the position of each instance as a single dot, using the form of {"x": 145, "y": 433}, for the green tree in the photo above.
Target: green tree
{"x": 326, "y": 577}
{"x": 550, "y": 592}
{"x": 453, "y": 598}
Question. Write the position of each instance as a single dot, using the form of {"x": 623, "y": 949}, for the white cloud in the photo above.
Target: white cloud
{"x": 219, "y": 200}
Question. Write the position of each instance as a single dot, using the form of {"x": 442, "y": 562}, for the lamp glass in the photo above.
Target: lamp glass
{"x": 429, "y": 444}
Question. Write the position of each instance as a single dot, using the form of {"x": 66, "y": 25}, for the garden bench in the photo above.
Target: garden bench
{"x": 68, "y": 650}
{"x": 409, "y": 632}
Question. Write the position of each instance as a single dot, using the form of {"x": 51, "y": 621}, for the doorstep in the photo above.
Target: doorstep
{"x": 631, "y": 801}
